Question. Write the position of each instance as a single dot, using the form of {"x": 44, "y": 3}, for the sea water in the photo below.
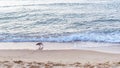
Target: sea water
{"x": 60, "y": 21}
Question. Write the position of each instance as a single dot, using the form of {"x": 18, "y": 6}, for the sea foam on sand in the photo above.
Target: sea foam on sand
{"x": 102, "y": 47}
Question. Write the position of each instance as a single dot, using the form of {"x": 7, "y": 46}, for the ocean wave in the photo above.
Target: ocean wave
{"x": 13, "y": 17}
{"x": 50, "y": 4}
{"x": 60, "y": 22}
{"x": 106, "y": 36}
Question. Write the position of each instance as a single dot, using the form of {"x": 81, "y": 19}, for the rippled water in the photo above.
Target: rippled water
{"x": 60, "y": 22}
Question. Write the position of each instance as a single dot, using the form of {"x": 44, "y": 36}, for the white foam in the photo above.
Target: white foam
{"x": 94, "y": 37}
{"x": 101, "y": 47}
{"x": 25, "y": 2}
{"x": 12, "y": 45}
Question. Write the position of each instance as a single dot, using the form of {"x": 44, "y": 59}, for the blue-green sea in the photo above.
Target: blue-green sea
{"x": 47, "y": 21}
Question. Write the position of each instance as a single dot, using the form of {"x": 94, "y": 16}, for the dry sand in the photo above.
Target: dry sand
{"x": 59, "y": 57}
{"x": 64, "y": 56}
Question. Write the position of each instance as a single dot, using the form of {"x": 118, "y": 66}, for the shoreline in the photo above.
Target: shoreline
{"x": 91, "y": 46}
{"x": 62, "y": 55}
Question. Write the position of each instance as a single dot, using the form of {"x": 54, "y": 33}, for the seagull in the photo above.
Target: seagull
{"x": 40, "y": 44}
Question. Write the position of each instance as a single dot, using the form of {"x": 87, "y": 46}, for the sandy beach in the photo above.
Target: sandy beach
{"x": 66, "y": 57}
{"x": 74, "y": 33}
{"x": 61, "y": 56}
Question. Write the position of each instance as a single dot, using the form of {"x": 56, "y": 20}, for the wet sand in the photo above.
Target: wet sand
{"x": 59, "y": 55}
